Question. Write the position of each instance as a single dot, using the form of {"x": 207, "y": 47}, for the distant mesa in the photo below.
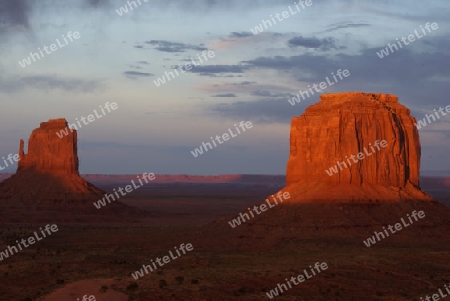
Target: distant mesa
{"x": 50, "y": 169}
{"x": 344, "y": 124}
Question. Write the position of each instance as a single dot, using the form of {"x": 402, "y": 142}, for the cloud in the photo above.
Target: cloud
{"x": 218, "y": 69}
{"x": 392, "y": 70}
{"x": 214, "y": 70}
{"x": 50, "y": 82}
{"x": 244, "y": 83}
{"x": 346, "y": 25}
{"x": 225, "y": 95}
{"x": 14, "y": 15}
{"x": 398, "y": 74}
{"x": 323, "y": 44}
{"x": 200, "y": 7}
{"x": 98, "y": 3}
{"x": 267, "y": 93}
{"x": 242, "y": 34}
{"x": 167, "y": 46}
{"x": 136, "y": 74}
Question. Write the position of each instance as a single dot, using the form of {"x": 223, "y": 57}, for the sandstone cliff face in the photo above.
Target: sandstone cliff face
{"x": 342, "y": 125}
{"x": 48, "y": 152}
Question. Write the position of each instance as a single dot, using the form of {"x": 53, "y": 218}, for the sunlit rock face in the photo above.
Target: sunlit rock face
{"x": 354, "y": 146}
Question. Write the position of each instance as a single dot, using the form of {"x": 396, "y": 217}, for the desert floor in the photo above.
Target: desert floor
{"x": 239, "y": 263}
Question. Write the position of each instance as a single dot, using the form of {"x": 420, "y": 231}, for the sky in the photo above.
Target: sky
{"x": 118, "y": 58}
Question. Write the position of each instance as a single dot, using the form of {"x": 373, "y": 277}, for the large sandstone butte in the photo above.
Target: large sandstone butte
{"x": 342, "y": 125}
{"x": 49, "y": 172}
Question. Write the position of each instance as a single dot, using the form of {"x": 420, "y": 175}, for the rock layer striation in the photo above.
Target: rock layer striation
{"x": 326, "y": 140}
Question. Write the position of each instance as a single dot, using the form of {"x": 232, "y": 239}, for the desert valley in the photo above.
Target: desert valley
{"x": 224, "y": 150}
{"x": 328, "y": 232}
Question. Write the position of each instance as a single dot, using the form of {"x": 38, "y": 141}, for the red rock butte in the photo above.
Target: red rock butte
{"x": 344, "y": 124}
{"x": 50, "y": 169}
{"x": 48, "y": 152}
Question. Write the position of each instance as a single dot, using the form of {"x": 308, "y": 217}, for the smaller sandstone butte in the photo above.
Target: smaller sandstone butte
{"x": 342, "y": 125}
{"x": 48, "y": 152}
{"x": 49, "y": 172}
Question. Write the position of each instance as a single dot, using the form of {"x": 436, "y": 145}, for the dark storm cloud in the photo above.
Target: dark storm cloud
{"x": 14, "y": 15}
{"x": 201, "y": 6}
{"x": 322, "y": 44}
{"x": 167, "y": 46}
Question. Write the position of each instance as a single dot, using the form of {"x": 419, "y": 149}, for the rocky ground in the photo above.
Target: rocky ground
{"x": 241, "y": 263}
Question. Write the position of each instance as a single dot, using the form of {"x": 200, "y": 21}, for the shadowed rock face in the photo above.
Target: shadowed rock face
{"x": 346, "y": 124}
